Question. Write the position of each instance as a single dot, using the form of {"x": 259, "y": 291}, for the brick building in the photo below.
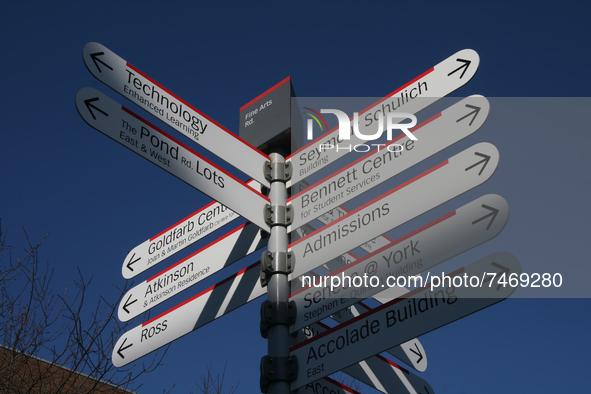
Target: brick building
{"x": 22, "y": 373}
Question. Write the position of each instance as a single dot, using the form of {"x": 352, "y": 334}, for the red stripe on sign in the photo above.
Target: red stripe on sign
{"x": 197, "y": 252}
{"x": 187, "y": 218}
{"x": 257, "y": 264}
{"x": 196, "y": 110}
{"x": 371, "y": 312}
{"x": 192, "y": 151}
{"x": 365, "y": 157}
{"x": 371, "y": 106}
{"x": 260, "y": 96}
{"x": 392, "y": 363}
{"x": 347, "y": 389}
{"x": 442, "y": 164}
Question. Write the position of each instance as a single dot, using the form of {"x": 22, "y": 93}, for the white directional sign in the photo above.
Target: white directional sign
{"x": 177, "y": 237}
{"x": 416, "y": 252}
{"x": 434, "y": 135}
{"x": 417, "y": 94}
{"x": 153, "y": 144}
{"x": 197, "y": 311}
{"x": 441, "y": 183}
{"x": 420, "y": 311}
{"x": 410, "y": 352}
{"x": 230, "y": 248}
{"x": 378, "y": 372}
{"x": 130, "y": 82}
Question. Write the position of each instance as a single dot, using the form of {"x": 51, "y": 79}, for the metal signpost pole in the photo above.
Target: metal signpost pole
{"x": 277, "y": 367}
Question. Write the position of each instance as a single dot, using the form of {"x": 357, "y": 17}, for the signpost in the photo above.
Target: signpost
{"x": 412, "y": 97}
{"x": 420, "y": 311}
{"x": 153, "y": 144}
{"x": 133, "y": 84}
{"x": 177, "y": 237}
{"x": 363, "y": 331}
{"x": 374, "y": 168}
{"x": 238, "y": 243}
{"x": 441, "y": 183}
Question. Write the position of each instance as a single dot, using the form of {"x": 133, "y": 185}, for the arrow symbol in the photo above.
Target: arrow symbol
{"x": 127, "y": 303}
{"x": 502, "y": 268}
{"x": 464, "y": 66}
{"x": 121, "y": 348}
{"x": 130, "y": 263}
{"x": 96, "y": 60}
{"x": 89, "y": 105}
{"x": 485, "y": 161}
{"x": 418, "y": 353}
{"x": 475, "y": 112}
{"x": 494, "y": 212}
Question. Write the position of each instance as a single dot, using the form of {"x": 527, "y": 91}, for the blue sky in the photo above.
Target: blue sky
{"x": 97, "y": 200}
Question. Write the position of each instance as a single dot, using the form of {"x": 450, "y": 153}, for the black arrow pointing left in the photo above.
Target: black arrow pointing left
{"x": 90, "y": 106}
{"x": 130, "y": 262}
{"x": 96, "y": 60}
{"x": 485, "y": 160}
{"x": 127, "y": 303}
{"x": 123, "y": 347}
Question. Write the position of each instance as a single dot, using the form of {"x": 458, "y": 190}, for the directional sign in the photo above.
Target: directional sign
{"x": 130, "y": 82}
{"x": 417, "y": 94}
{"x": 410, "y": 352}
{"x": 175, "y": 238}
{"x": 377, "y": 372}
{"x": 153, "y": 144}
{"x": 230, "y": 248}
{"x": 441, "y": 183}
{"x": 416, "y": 252}
{"x": 415, "y": 314}
{"x": 197, "y": 311}
{"x": 434, "y": 135}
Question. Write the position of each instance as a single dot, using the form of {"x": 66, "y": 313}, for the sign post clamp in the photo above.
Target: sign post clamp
{"x": 277, "y": 171}
{"x": 276, "y": 313}
{"x": 275, "y": 369}
{"x": 273, "y": 263}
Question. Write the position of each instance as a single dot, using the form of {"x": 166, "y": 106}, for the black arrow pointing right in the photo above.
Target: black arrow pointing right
{"x": 485, "y": 161}
{"x": 418, "y": 353}
{"x": 494, "y": 212}
{"x": 475, "y": 112}
{"x": 130, "y": 262}
{"x": 464, "y": 66}
{"x": 121, "y": 348}
{"x": 502, "y": 268}
{"x": 127, "y": 303}
{"x": 89, "y": 106}
{"x": 96, "y": 60}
